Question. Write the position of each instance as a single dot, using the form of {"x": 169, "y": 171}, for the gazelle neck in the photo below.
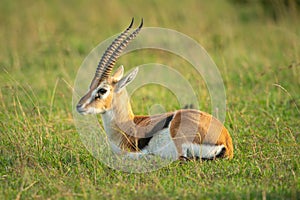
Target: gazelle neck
{"x": 121, "y": 106}
{"x": 119, "y": 119}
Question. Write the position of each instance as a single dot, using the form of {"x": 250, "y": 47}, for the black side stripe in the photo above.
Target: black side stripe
{"x": 143, "y": 142}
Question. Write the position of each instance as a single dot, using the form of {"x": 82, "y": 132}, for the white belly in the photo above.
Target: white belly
{"x": 162, "y": 145}
{"x": 201, "y": 150}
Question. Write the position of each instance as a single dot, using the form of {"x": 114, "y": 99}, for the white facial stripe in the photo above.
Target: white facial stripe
{"x": 85, "y": 108}
{"x": 94, "y": 93}
{"x": 93, "y": 110}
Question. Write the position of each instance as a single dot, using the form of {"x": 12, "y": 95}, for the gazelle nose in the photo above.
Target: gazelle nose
{"x": 79, "y": 108}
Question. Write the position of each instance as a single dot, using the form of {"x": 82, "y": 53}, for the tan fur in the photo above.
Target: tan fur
{"x": 106, "y": 104}
{"x": 199, "y": 127}
{"x": 186, "y": 126}
{"x": 131, "y": 128}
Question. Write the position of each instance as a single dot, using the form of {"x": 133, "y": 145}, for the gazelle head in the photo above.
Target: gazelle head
{"x": 104, "y": 86}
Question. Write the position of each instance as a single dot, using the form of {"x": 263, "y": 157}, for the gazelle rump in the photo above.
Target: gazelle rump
{"x": 180, "y": 134}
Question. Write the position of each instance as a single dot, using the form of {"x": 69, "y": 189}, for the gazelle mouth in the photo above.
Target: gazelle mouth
{"x": 85, "y": 111}
{"x": 81, "y": 110}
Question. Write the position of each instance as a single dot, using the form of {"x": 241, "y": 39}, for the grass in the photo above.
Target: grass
{"x": 44, "y": 43}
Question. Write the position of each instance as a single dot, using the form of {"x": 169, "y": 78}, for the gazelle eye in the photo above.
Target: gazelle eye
{"x": 102, "y": 91}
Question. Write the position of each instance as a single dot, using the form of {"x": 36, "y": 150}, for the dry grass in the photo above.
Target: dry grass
{"x": 43, "y": 45}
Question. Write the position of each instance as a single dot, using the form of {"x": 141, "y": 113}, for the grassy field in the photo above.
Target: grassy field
{"x": 257, "y": 50}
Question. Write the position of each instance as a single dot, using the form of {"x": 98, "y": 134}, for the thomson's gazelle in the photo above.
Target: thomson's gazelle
{"x": 183, "y": 134}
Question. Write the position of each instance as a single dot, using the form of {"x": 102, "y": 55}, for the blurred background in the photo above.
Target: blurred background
{"x": 249, "y": 40}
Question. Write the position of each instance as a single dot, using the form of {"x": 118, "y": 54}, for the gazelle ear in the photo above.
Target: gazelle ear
{"x": 118, "y": 74}
{"x": 126, "y": 80}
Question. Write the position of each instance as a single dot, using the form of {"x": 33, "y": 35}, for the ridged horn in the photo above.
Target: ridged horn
{"x": 109, "y": 52}
{"x": 113, "y": 58}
